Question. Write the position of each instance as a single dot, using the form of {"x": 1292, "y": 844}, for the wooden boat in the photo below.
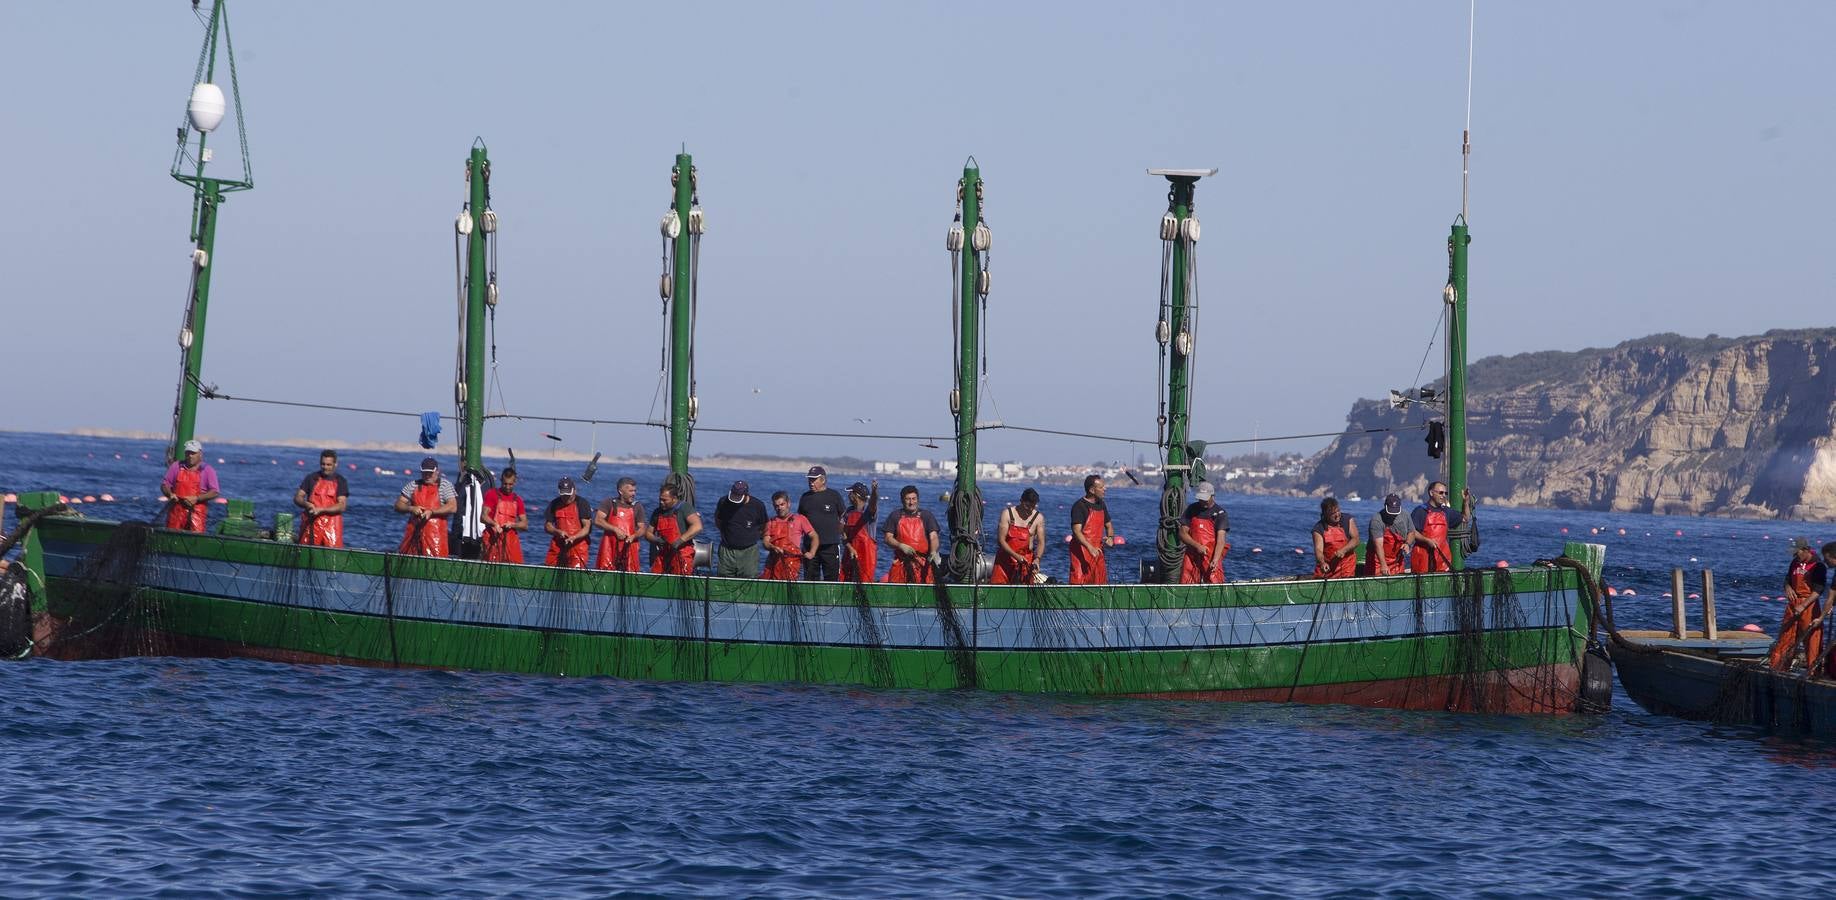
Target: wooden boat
{"x": 1503, "y": 640}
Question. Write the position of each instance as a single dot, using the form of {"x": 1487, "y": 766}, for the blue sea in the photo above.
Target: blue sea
{"x": 228, "y": 777}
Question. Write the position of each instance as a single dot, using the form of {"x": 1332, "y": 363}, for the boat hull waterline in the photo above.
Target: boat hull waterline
{"x": 1489, "y": 640}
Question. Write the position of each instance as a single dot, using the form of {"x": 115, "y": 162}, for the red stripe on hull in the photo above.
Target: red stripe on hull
{"x": 1549, "y": 688}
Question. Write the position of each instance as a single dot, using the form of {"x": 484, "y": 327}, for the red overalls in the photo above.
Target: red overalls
{"x": 1018, "y": 568}
{"x": 569, "y": 555}
{"x": 326, "y": 530}
{"x": 1194, "y": 569}
{"x": 187, "y": 484}
{"x": 616, "y": 554}
{"x": 502, "y": 546}
{"x": 668, "y": 525}
{"x": 1387, "y": 544}
{"x": 1800, "y": 611}
{"x": 425, "y": 537}
{"x": 1434, "y": 528}
{"x": 1088, "y": 568}
{"x": 1334, "y": 538}
{"x": 857, "y": 530}
{"x": 914, "y": 569}
{"x": 781, "y": 566}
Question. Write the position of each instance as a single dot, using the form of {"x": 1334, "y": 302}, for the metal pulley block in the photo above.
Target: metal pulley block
{"x": 671, "y": 225}
{"x": 956, "y": 401}
{"x": 983, "y": 237}
{"x": 1162, "y": 332}
{"x": 184, "y": 338}
{"x": 1169, "y": 227}
{"x": 1189, "y": 229}
{"x": 694, "y": 407}
{"x": 491, "y": 292}
{"x": 664, "y": 286}
{"x": 200, "y": 258}
{"x": 487, "y": 220}
{"x": 459, "y": 391}
{"x": 953, "y": 239}
{"x": 697, "y": 223}
{"x": 463, "y": 224}
{"x": 1183, "y": 343}
{"x": 981, "y": 282}
{"x": 1448, "y": 294}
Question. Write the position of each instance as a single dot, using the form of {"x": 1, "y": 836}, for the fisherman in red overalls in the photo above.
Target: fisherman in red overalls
{"x": 621, "y": 524}
{"x": 1391, "y": 535}
{"x": 427, "y": 502}
{"x": 1204, "y": 529}
{"x": 860, "y": 555}
{"x": 569, "y": 523}
{"x": 912, "y": 534}
{"x": 1805, "y": 581}
{"x": 189, "y": 486}
{"x": 505, "y": 519}
{"x": 1335, "y": 543}
{"x": 1022, "y": 541}
{"x": 322, "y": 498}
{"x": 672, "y": 534}
{"x": 1091, "y": 532}
{"x": 790, "y": 542}
{"x": 1432, "y": 521}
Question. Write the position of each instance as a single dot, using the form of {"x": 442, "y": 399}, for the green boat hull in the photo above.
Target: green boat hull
{"x": 1492, "y": 640}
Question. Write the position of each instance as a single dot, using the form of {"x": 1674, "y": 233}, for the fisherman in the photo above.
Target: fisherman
{"x": 569, "y": 523}
{"x": 1389, "y": 538}
{"x": 1829, "y": 603}
{"x": 1335, "y": 542}
{"x": 1022, "y": 543}
{"x": 740, "y": 519}
{"x": 823, "y": 506}
{"x": 1091, "y": 532}
{"x": 673, "y": 527}
{"x": 1204, "y": 529}
{"x": 860, "y": 554}
{"x": 323, "y": 497}
{"x": 1805, "y": 581}
{"x": 189, "y": 486}
{"x": 790, "y": 542}
{"x": 1432, "y": 521}
{"x": 912, "y": 534}
{"x": 427, "y": 500}
{"x": 505, "y": 518}
{"x": 620, "y": 519}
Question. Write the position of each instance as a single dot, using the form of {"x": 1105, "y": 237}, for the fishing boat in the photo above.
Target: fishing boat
{"x": 1516, "y": 640}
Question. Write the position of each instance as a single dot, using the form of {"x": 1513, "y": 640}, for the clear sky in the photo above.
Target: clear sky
{"x": 1637, "y": 167}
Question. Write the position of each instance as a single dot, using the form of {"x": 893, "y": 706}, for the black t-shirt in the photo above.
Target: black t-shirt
{"x": 824, "y": 509}
{"x": 681, "y": 512}
{"x": 312, "y": 480}
{"x": 1219, "y": 518}
{"x": 1080, "y": 511}
{"x": 582, "y": 508}
{"x": 892, "y": 522}
{"x": 741, "y": 524}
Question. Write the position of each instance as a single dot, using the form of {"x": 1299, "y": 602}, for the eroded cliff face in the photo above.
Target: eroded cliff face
{"x": 1667, "y": 424}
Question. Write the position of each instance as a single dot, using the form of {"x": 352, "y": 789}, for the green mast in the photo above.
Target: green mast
{"x": 1455, "y": 295}
{"x": 1177, "y": 333}
{"x": 682, "y": 229}
{"x": 971, "y": 278}
{"x": 477, "y": 224}
{"x": 203, "y": 114}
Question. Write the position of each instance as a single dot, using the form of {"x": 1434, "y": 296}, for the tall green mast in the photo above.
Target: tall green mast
{"x": 1176, "y": 333}
{"x": 478, "y": 223}
{"x": 682, "y": 230}
{"x": 968, "y": 233}
{"x": 1455, "y": 296}
{"x": 203, "y": 114}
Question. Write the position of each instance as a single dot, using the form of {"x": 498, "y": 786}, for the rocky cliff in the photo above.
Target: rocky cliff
{"x": 1667, "y": 424}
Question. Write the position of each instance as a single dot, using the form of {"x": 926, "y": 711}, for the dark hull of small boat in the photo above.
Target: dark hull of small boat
{"x": 1733, "y": 692}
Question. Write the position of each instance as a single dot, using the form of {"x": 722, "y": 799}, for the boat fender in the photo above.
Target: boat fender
{"x": 1596, "y": 682}
{"x": 15, "y": 613}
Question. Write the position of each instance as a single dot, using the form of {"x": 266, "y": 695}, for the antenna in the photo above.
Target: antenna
{"x": 1466, "y": 136}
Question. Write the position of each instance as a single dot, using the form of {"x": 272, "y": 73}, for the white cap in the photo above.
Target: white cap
{"x": 1205, "y": 490}
{"x": 194, "y": 447}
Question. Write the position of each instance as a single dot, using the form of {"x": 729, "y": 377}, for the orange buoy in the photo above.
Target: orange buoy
{"x": 1612, "y": 591}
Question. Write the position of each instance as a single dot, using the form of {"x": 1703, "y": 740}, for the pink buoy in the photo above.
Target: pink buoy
{"x": 1622, "y": 532}
{"x": 1629, "y": 592}
{"x": 1514, "y": 527}
{"x": 220, "y": 500}
{"x": 1593, "y": 531}
{"x": 117, "y": 456}
{"x": 144, "y": 456}
{"x": 12, "y": 498}
{"x": 219, "y": 460}
{"x": 1679, "y": 532}
{"x": 89, "y": 498}
{"x": 1665, "y": 595}
{"x": 1612, "y": 591}
{"x": 1120, "y": 540}
{"x": 1298, "y": 551}
{"x": 1765, "y": 537}
{"x": 62, "y": 499}
{"x": 1765, "y": 596}
{"x": 271, "y": 462}
{"x": 1504, "y": 564}
{"x": 1695, "y": 596}
{"x": 299, "y": 462}
{"x": 108, "y": 498}
{"x": 1252, "y": 549}
{"x": 1752, "y": 627}
{"x": 76, "y": 501}
{"x": 353, "y": 466}
{"x": 1564, "y": 531}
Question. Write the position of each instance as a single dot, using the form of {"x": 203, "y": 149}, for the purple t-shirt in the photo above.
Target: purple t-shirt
{"x": 207, "y": 477}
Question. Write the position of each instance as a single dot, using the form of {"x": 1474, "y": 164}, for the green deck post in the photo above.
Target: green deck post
{"x": 681, "y": 334}
{"x": 477, "y": 282}
{"x": 1457, "y": 242}
{"x": 965, "y": 499}
{"x": 1179, "y": 371}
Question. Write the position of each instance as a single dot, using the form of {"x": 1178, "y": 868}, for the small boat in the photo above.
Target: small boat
{"x": 1720, "y": 676}
{"x": 1513, "y": 640}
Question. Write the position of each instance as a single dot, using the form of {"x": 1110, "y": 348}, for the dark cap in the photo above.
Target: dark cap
{"x": 565, "y": 485}
{"x": 1392, "y": 503}
{"x": 1799, "y": 543}
{"x": 739, "y": 491}
{"x": 818, "y": 472}
{"x": 858, "y": 488}
{"x": 429, "y": 464}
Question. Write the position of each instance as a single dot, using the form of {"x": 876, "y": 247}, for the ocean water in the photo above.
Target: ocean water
{"x": 230, "y": 777}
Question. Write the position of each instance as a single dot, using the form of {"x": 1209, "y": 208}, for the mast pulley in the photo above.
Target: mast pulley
{"x": 664, "y": 286}
{"x": 671, "y": 225}
{"x": 1169, "y": 229}
{"x": 1189, "y": 229}
{"x": 488, "y": 221}
{"x": 697, "y": 223}
{"x": 463, "y": 224}
{"x": 953, "y": 239}
{"x": 984, "y": 238}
